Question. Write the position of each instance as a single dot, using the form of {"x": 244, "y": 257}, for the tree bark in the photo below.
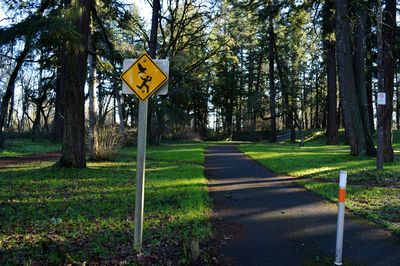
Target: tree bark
{"x": 304, "y": 103}
{"x": 238, "y": 115}
{"x": 389, "y": 58}
{"x": 39, "y": 103}
{"x": 120, "y": 113}
{"x": 272, "y": 90}
{"x": 368, "y": 68}
{"x": 250, "y": 95}
{"x": 58, "y": 123}
{"x": 74, "y": 69}
{"x": 24, "y": 101}
{"x": 397, "y": 103}
{"x": 11, "y": 84}
{"x": 330, "y": 59}
{"x": 10, "y": 111}
{"x": 92, "y": 89}
{"x": 317, "y": 103}
{"x": 257, "y": 88}
{"x": 359, "y": 76}
{"x": 352, "y": 118}
{"x": 153, "y": 135}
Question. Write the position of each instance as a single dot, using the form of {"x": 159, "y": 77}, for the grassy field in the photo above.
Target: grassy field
{"x": 21, "y": 147}
{"x": 370, "y": 193}
{"x": 69, "y": 216}
{"x": 60, "y": 216}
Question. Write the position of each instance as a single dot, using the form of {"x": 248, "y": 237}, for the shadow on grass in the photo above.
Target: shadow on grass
{"x": 108, "y": 245}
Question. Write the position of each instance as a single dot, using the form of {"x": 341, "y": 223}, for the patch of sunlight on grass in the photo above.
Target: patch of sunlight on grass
{"x": 313, "y": 171}
{"x": 26, "y": 167}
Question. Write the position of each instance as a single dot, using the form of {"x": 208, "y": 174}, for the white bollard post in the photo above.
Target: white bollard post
{"x": 340, "y": 220}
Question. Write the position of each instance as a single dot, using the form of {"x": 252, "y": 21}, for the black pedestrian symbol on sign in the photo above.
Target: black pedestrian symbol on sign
{"x": 144, "y": 83}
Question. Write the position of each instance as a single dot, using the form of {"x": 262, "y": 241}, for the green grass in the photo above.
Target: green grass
{"x": 61, "y": 216}
{"x": 21, "y": 147}
{"x": 373, "y": 194}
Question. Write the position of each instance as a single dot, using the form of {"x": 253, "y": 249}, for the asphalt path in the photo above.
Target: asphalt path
{"x": 265, "y": 219}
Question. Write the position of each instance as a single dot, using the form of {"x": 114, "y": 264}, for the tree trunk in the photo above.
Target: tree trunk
{"x": 11, "y": 84}
{"x": 229, "y": 118}
{"x": 304, "y": 103}
{"x": 397, "y": 103}
{"x": 39, "y": 102}
{"x": 340, "y": 116}
{"x": 272, "y": 90}
{"x": 359, "y": 77}
{"x": 45, "y": 119}
{"x": 73, "y": 148}
{"x": 257, "y": 89}
{"x": 317, "y": 103}
{"x": 58, "y": 123}
{"x": 250, "y": 91}
{"x": 389, "y": 58}
{"x": 36, "y": 123}
{"x": 239, "y": 112}
{"x": 293, "y": 134}
{"x": 352, "y": 118}
{"x": 330, "y": 59}
{"x": 120, "y": 112}
{"x": 101, "y": 98}
{"x": 238, "y": 115}
{"x": 115, "y": 107}
{"x": 10, "y": 111}
{"x": 92, "y": 90}
{"x": 153, "y": 134}
{"x": 293, "y": 113}
{"x": 324, "y": 115}
{"x": 21, "y": 126}
{"x": 368, "y": 69}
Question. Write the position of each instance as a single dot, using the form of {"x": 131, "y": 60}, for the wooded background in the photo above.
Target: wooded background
{"x": 238, "y": 70}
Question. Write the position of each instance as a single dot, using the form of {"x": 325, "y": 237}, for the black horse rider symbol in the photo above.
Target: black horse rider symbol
{"x": 141, "y": 69}
{"x": 145, "y": 80}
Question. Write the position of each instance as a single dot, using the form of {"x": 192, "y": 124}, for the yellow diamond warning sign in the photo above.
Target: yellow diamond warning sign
{"x": 144, "y": 77}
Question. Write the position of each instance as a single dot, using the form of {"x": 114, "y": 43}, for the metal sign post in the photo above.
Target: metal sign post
{"x": 140, "y": 174}
{"x": 144, "y": 78}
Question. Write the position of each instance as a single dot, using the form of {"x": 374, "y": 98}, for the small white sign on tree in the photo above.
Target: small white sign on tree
{"x": 381, "y": 98}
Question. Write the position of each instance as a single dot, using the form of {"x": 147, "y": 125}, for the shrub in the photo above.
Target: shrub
{"x": 129, "y": 138}
{"x": 212, "y": 135}
{"x": 40, "y": 135}
{"x": 186, "y": 134}
{"x": 106, "y": 139}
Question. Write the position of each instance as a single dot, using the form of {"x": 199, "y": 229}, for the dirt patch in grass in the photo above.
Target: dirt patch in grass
{"x": 6, "y": 162}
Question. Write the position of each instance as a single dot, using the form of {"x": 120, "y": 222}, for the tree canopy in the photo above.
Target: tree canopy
{"x": 242, "y": 69}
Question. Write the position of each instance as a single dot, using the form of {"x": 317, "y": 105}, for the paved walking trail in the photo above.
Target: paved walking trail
{"x": 264, "y": 219}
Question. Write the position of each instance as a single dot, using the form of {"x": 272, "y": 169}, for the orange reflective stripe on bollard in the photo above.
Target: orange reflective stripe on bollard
{"x": 342, "y": 195}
